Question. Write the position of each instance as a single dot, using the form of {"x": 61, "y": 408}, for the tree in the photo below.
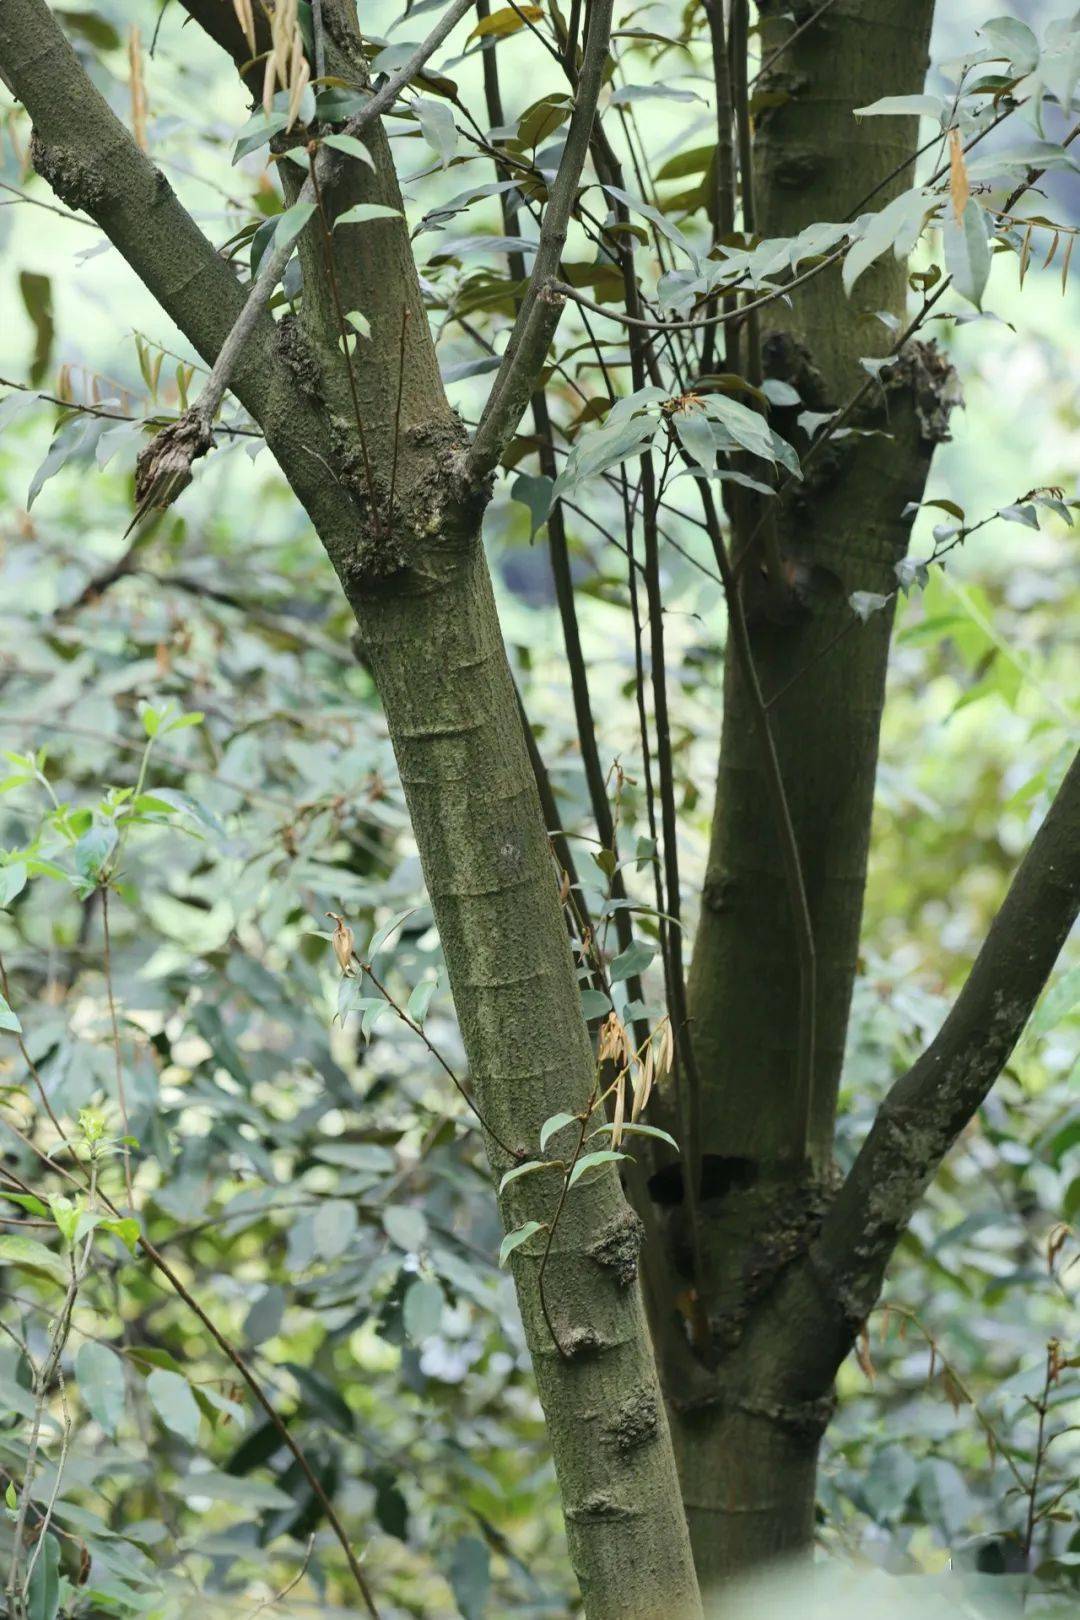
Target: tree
{"x": 806, "y": 448}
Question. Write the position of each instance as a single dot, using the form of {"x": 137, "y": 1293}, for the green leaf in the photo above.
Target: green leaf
{"x": 11, "y": 1495}
{"x": 527, "y": 1169}
{"x": 100, "y": 1374}
{"x": 594, "y": 1004}
{"x": 748, "y": 428}
{"x": 126, "y": 1229}
{"x": 360, "y": 322}
{"x": 534, "y": 491}
{"x": 383, "y": 934}
{"x": 405, "y": 1226}
{"x": 1015, "y": 41}
{"x": 28, "y": 1202}
{"x": 470, "y": 1576}
{"x": 264, "y": 1318}
{"x": 8, "y": 1020}
{"x": 43, "y": 1593}
{"x": 257, "y": 132}
{"x": 513, "y": 1240}
{"x": 288, "y": 227}
{"x": 421, "y": 1310}
{"x": 967, "y": 251}
{"x": 556, "y": 1122}
{"x": 437, "y": 127}
{"x": 365, "y": 213}
{"x": 1058, "y": 1002}
{"x": 66, "y": 1216}
{"x": 635, "y": 959}
{"x": 594, "y": 1161}
{"x": 30, "y": 1255}
{"x": 94, "y": 850}
{"x": 905, "y": 106}
{"x": 172, "y": 1400}
{"x": 420, "y": 1000}
{"x": 640, "y": 1130}
{"x": 351, "y": 146}
{"x": 195, "y": 717}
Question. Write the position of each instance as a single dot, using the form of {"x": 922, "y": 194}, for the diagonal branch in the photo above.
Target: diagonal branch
{"x": 926, "y": 1110}
{"x": 92, "y": 163}
{"x": 540, "y": 310}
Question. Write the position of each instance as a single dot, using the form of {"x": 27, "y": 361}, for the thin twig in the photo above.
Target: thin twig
{"x": 418, "y": 1029}
{"x": 119, "y": 1064}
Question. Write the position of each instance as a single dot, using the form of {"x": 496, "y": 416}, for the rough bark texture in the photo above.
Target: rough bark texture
{"x": 746, "y": 1435}
{"x": 429, "y": 629}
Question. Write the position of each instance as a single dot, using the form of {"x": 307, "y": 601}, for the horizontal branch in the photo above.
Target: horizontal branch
{"x": 927, "y": 1109}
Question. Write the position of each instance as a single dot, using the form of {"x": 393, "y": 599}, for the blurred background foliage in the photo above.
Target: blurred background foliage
{"x": 304, "y": 1164}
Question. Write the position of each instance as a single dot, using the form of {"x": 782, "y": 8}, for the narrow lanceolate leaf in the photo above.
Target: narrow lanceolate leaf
{"x": 43, "y": 1589}
{"x": 527, "y": 1169}
{"x": 363, "y": 213}
{"x": 516, "y": 1238}
{"x": 557, "y": 1122}
{"x": 506, "y": 21}
{"x": 292, "y": 222}
{"x": 641, "y": 1130}
{"x": 967, "y": 252}
{"x": 594, "y": 1161}
{"x": 351, "y": 146}
{"x": 959, "y": 186}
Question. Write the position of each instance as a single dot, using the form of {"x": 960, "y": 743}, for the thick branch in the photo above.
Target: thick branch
{"x": 926, "y": 1110}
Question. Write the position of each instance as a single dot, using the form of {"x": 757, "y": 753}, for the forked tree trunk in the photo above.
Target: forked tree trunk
{"x": 746, "y": 1425}
{"x": 401, "y": 522}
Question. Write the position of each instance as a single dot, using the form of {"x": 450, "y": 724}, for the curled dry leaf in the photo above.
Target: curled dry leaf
{"x": 285, "y": 62}
{"x": 343, "y": 940}
{"x": 642, "y": 1081}
{"x": 959, "y": 185}
{"x": 163, "y": 467}
{"x": 245, "y": 16}
{"x": 619, "y": 1117}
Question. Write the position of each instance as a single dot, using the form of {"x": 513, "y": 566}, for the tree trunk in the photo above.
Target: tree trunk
{"x": 403, "y": 532}
{"x": 746, "y": 1431}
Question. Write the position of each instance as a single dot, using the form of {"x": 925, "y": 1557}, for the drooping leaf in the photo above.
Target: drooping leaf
{"x": 556, "y": 1122}
{"x": 100, "y": 1375}
{"x": 172, "y": 1400}
{"x": 437, "y": 126}
{"x": 30, "y": 1255}
{"x": 513, "y": 1240}
{"x": 422, "y": 1310}
{"x": 365, "y": 213}
{"x": 967, "y": 251}
{"x": 594, "y": 1161}
{"x": 527, "y": 1169}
